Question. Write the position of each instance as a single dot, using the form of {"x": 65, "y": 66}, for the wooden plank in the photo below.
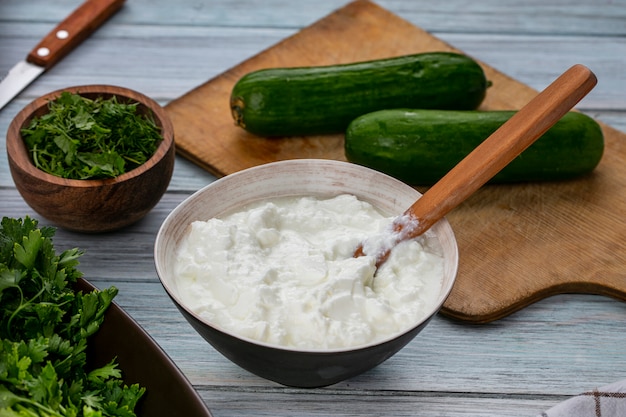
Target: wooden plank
{"x": 239, "y": 403}
{"x": 519, "y": 365}
{"x": 518, "y": 244}
{"x": 584, "y": 350}
{"x": 493, "y": 16}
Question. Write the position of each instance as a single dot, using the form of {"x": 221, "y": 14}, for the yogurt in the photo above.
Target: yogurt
{"x": 282, "y": 272}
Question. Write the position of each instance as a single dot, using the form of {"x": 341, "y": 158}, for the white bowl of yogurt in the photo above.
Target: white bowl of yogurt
{"x": 260, "y": 263}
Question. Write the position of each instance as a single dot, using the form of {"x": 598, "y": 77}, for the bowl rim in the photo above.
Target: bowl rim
{"x": 444, "y": 293}
{"x": 18, "y": 154}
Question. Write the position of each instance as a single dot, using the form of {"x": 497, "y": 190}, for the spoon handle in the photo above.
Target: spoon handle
{"x": 487, "y": 159}
{"x": 499, "y": 149}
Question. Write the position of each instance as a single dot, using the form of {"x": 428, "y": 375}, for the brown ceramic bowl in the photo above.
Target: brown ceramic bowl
{"x": 99, "y": 205}
{"x": 142, "y": 361}
{"x": 312, "y": 177}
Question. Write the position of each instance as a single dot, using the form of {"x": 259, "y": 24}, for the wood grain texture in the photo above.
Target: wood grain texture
{"x": 561, "y": 17}
{"x": 519, "y": 365}
{"x": 93, "y": 205}
{"x": 560, "y": 237}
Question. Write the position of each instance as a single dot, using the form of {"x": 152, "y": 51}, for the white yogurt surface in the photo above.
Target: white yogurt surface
{"x": 282, "y": 272}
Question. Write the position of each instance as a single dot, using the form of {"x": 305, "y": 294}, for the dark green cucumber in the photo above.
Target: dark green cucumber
{"x": 325, "y": 99}
{"x": 421, "y": 146}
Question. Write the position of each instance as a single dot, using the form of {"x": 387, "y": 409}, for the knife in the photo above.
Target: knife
{"x": 58, "y": 43}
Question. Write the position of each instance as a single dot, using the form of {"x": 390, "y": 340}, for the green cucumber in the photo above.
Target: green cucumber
{"x": 421, "y": 146}
{"x": 325, "y": 99}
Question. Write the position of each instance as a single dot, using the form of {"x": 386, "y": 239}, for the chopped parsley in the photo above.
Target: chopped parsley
{"x": 44, "y": 331}
{"x": 80, "y": 138}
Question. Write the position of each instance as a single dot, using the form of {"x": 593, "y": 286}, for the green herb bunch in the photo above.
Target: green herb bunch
{"x": 44, "y": 331}
{"x": 80, "y": 138}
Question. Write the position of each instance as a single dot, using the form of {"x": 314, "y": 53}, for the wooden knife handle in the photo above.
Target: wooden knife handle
{"x": 72, "y": 31}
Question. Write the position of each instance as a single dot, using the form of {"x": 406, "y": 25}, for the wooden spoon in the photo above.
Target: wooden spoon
{"x": 486, "y": 160}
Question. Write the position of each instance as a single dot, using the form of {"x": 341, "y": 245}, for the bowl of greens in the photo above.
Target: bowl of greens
{"x": 92, "y": 158}
{"x": 66, "y": 347}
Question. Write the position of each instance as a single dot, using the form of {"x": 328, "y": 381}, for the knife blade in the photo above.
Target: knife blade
{"x": 55, "y": 45}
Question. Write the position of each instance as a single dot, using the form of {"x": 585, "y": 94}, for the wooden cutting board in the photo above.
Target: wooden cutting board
{"x": 517, "y": 243}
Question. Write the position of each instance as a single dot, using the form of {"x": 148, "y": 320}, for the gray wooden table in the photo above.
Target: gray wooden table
{"x": 517, "y": 366}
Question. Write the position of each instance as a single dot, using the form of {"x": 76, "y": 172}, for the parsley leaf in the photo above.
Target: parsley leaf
{"x": 80, "y": 138}
{"x": 44, "y": 330}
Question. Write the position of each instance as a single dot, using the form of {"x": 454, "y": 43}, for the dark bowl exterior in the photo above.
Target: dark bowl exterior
{"x": 290, "y": 366}
{"x": 143, "y": 362}
{"x": 299, "y": 369}
{"x": 92, "y": 206}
